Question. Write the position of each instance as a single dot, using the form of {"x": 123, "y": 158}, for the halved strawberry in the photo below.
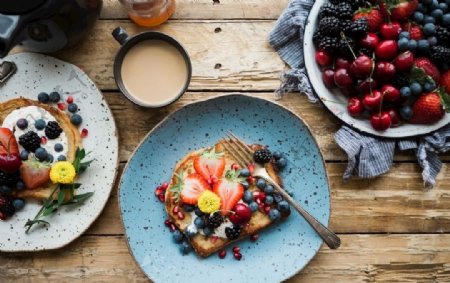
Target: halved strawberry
{"x": 210, "y": 165}
{"x": 34, "y": 174}
{"x": 189, "y": 188}
{"x": 9, "y": 151}
{"x": 230, "y": 191}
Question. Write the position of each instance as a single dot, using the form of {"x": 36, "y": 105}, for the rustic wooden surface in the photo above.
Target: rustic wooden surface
{"x": 391, "y": 229}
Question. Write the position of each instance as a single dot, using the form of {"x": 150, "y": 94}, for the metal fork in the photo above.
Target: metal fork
{"x": 243, "y": 154}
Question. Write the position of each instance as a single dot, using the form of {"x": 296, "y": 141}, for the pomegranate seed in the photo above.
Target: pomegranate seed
{"x": 262, "y": 196}
{"x": 180, "y": 215}
{"x": 235, "y": 166}
{"x": 251, "y": 180}
{"x": 261, "y": 205}
{"x": 43, "y": 140}
{"x": 167, "y": 222}
{"x": 214, "y": 238}
{"x": 237, "y": 256}
{"x": 267, "y": 209}
{"x": 254, "y": 237}
{"x": 165, "y": 185}
{"x": 62, "y": 106}
{"x": 172, "y": 227}
{"x": 84, "y": 133}
{"x": 158, "y": 191}
{"x": 251, "y": 168}
{"x": 162, "y": 197}
{"x": 69, "y": 99}
{"x": 176, "y": 209}
{"x": 222, "y": 253}
{"x": 2, "y": 216}
{"x": 236, "y": 249}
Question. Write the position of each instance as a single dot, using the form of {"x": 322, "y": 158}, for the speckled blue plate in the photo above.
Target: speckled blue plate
{"x": 282, "y": 250}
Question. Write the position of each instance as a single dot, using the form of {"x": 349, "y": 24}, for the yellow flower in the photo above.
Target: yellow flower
{"x": 62, "y": 172}
{"x": 208, "y": 202}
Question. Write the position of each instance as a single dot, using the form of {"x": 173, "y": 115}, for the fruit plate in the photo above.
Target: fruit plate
{"x": 337, "y": 102}
{"x": 282, "y": 250}
{"x": 38, "y": 73}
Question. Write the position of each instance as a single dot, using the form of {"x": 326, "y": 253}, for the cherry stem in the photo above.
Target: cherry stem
{"x": 372, "y": 71}
{"x": 348, "y": 44}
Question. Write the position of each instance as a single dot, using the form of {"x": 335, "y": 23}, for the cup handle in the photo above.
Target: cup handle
{"x": 120, "y": 35}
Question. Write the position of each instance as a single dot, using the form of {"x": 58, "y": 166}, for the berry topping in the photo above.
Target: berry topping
{"x": 262, "y": 156}
{"x": 72, "y": 108}
{"x": 41, "y": 154}
{"x": 9, "y": 151}
{"x": 34, "y": 174}
{"x": 427, "y": 109}
{"x": 58, "y": 147}
{"x": 9, "y": 179}
{"x": 215, "y": 220}
{"x": 53, "y": 130}
{"x": 233, "y": 232}
{"x": 54, "y": 96}
{"x": 230, "y": 190}
{"x": 62, "y": 106}
{"x": 30, "y": 141}
{"x": 43, "y": 97}
{"x": 274, "y": 214}
{"x": 84, "y": 132}
{"x": 22, "y": 123}
{"x": 69, "y": 100}
{"x": 242, "y": 214}
{"x": 39, "y": 124}
{"x": 6, "y": 207}
{"x": 210, "y": 165}
{"x": 188, "y": 188}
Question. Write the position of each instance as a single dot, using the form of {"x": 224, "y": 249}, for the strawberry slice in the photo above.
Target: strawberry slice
{"x": 34, "y": 174}
{"x": 210, "y": 165}
{"x": 189, "y": 188}
{"x": 9, "y": 151}
{"x": 230, "y": 191}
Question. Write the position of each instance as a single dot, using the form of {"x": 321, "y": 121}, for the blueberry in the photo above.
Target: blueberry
{"x": 403, "y": 44}
{"x": 429, "y": 29}
{"x": 283, "y": 206}
{"x": 437, "y": 14}
{"x": 443, "y": 7}
{"x": 423, "y": 45}
{"x": 416, "y": 88}
{"x": 43, "y": 97}
{"x": 188, "y": 208}
{"x": 261, "y": 183}
{"x": 253, "y": 206}
{"x": 22, "y": 123}
{"x": 277, "y": 155}
{"x": 245, "y": 184}
{"x": 406, "y": 112}
{"x": 39, "y": 124}
{"x": 281, "y": 163}
{"x": 58, "y": 147}
{"x": 177, "y": 236}
{"x": 191, "y": 231}
{"x": 248, "y": 196}
{"x": 5, "y": 190}
{"x": 405, "y": 92}
{"x": 198, "y": 212}
{"x": 76, "y": 119}
{"x": 412, "y": 45}
{"x": 446, "y": 19}
{"x": 41, "y": 154}
{"x": 274, "y": 214}
{"x": 208, "y": 231}
{"x": 269, "y": 189}
{"x": 404, "y": 34}
{"x": 24, "y": 155}
{"x": 422, "y": 8}
{"x": 72, "y": 108}
{"x": 429, "y": 86}
{"x": 18, "y": 203}
{"x": 418, "y": 17}
{"x": 185, "y": 248}
{"x": 277, "y": 197}
{"x": 244, "y": 172}
{"x": 20, "y": 185}
{"x": 432, "y": 40}
{"x": 428, "y": 20}
{"x": 62, "y": 158}
{"x": 199, "y": 222}
{"x": 434, "y": 4}
{"x": 50, "y": 158}
{"x": 268, "y": 200}
{"x": 54, "y": 96}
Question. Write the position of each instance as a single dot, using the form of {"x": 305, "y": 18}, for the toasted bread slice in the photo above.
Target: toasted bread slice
{"x": 205, "y": 246}
{"x": 72, "y": 133}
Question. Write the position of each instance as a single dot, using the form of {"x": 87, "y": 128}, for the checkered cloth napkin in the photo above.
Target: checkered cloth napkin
{"x": 368, "y": 157}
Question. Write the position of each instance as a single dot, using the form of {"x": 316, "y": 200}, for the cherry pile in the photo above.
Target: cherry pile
{"x": 390, "y": 58}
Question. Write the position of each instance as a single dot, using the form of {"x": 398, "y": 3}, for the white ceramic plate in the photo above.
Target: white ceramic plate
{"x": 38, "y": 73}
{"x": 337, "y": 103}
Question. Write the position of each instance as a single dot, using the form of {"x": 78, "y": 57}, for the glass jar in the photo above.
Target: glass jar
{"x": 149, "y": 13}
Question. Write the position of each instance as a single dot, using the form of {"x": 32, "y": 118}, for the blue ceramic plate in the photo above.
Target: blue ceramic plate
{"x": 282, "y": 250}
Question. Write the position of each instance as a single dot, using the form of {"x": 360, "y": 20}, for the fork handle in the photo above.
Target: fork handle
{"x": 328, "y": 236}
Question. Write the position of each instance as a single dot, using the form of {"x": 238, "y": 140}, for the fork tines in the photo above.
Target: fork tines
{"x": 238, "y": 149}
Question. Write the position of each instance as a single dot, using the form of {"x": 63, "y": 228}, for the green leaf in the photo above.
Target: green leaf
{"x": 70, "y": 186}
{"x": 49, "y": 210}
{"x": 61, "y": 197}
{"x": 419, "y": 75}
{"x": 82, "y": 198}
{"x": 445, "y": 99}
{"x": 36, "y": 221}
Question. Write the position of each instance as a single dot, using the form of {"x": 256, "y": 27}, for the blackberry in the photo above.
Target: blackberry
{"x": 329, "y": 44}
{"x": 233, "y": 232}
{"x": 9, "y": 179}
{"x": 344, "y": 10}
{"x": 328, "y": 10}
{"x": 262, "y": 156}
{"x": 30, "y": 141}
{"x": 215, "y": 220}
{"x": 329, "y": 26}
{"x": 53, "y": 130}
{"x": 440, "y": 54}
{"x": 400, "y": 80}
{"x": 346, "y": 26}
{"x": 356, "y": 4}
{"x": 443, "y": 35}
{"x": 344, "y": 49}
{"x": 359, "y": 28}
{"x": 317, "y": 37}
{"x": 6, "y": 206}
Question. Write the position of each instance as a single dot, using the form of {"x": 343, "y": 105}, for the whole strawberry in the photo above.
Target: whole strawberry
{"x": 372, "y": 15}
{"x": 398, "y": 10}
{"x": 429, "y": 68}
{"x": 415, "y": 31}
{"x": 445, "y": 81}
{"x": 427, "y": 109}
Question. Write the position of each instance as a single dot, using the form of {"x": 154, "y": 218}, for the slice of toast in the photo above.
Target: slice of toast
{"x": 205, "y": 246}
{"x": 72, "y": 133}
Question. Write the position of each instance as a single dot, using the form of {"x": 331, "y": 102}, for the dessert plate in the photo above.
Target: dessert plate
{"x": 337, "y": 103}
{"x": 281, "y": 250}
{"x": 38, "y": 73}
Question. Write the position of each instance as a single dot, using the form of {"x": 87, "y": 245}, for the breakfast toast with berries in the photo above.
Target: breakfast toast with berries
{"x": 213, "y": 202}
{"x": 32, "y": 172}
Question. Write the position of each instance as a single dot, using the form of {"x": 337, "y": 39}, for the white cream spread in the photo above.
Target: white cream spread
{"x": 31, "y": 114}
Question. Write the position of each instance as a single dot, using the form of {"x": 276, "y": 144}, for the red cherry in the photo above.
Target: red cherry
{"x": 372, "y": 100}
{"x": 242, "y": 214}
{"x": 380, "y": 121}
{"x": 384, "y": 71}
{"x": 370, "y": 41}
{"x": 10, "y": 162}
{"x": 390, "y": 30}
{"x": 328, "y": 78}
{"x": 366, "y": 85}
{"x": 362, "y": 66}
{"x": 387, "y": 49}
{"x": 349, "y": 91}
{"x": 323, "y": 58}
{"x": 342, "y": 78}
{"x": 390, "y": 93}
{"x": 342, "y": 63}
{"x": 355, "y": 107}
{"x": 404, "y": 61}
{"x": 395, "y": 117}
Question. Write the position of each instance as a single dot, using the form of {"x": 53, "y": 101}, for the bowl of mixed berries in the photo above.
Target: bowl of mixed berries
{"x": 382, "y": 67}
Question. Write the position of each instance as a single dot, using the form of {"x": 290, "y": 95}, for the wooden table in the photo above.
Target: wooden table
{"x": 391, "y": 229}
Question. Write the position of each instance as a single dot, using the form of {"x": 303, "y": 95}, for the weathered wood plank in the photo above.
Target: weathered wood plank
{"x": 237, "y": 57}
{"x": 393, "y": 203}
{"x": 210, "y": 9}
{"x": 361, "y": 258}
